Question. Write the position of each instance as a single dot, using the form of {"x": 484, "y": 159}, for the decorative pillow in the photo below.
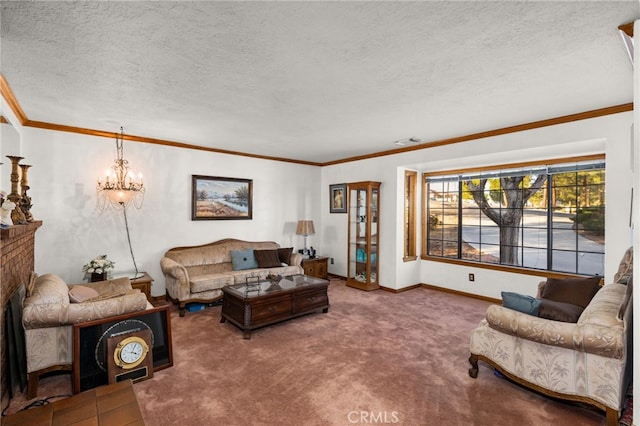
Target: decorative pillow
{"x": 559, "y": 311}
{"x": 284, "y": 254}
{"x": 81, "y": 293}
{"x": 243, "y": 259}
{"x": 520, "y": 302}
{"x": 627, "y": 299}
{"x": 267, "y": 258}
{"x": 31, "y": 284}
{"x": 576, "y": 291}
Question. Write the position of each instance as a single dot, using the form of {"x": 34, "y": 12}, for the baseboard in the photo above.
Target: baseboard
{"x": 462, "y": 293}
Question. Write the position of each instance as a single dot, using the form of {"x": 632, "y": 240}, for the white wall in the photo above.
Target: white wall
{"x": 9, "y": 145}
{"x": 609, "y": 134}
{"x": 63, "y": 178}
{"x": 66, "y": 166}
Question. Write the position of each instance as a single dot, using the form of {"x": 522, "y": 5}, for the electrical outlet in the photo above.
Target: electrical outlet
{"x": 472, "y": 277}
{"x": 332, "y": 260}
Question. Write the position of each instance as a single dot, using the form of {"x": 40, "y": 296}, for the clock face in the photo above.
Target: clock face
{"x": 130, "y": 352}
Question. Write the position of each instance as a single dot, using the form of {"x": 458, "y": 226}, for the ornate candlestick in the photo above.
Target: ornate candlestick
{"x": 25, "y": 200}
{"x": 15, "y": 178}
{"x": 17, "y": 216}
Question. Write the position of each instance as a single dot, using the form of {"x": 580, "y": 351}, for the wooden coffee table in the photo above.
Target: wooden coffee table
{"x": 114, "y": 405}
{"x": 256, "y": 304}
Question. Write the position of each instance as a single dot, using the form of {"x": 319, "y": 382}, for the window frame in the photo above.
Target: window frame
{"x": 494, "y": 266}
{"x": 409, "y": 215}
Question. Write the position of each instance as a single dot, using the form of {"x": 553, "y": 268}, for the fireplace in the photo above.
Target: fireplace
{"x": 16, "y": 263}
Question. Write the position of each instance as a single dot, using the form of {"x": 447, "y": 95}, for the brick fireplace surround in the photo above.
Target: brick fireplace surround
{"x": 16, "y": 263}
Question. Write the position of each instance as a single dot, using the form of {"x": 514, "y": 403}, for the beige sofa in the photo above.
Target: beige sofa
{"x": 198, "y": 273}
{"x": 48, "y": 316}
{"x": 584, "y": 361}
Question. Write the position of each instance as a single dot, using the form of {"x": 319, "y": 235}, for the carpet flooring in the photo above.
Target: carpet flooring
{"x": 374, "y": 358}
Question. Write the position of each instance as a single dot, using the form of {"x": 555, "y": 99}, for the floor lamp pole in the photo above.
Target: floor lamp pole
{"x": 126, "y": 225}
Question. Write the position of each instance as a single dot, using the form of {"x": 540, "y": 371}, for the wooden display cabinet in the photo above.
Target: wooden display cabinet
{"x": 364, "y": 216}
{"x": 316, "y": 267}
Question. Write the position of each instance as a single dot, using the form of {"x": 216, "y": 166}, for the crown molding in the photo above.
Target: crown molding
{"x": 627, "y": 28}
{"x": 496, "y": 132}
{"x": 8, "y": 95}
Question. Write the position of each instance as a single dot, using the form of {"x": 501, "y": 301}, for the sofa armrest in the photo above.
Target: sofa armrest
{"x": 607, "y": 341}
{"x": 175, "y": 270}
{"x": 176, "y": 279}
{"x": 56, "y": 314}
{"x": 541, "y": 330}
{"x": 296, "y": 259}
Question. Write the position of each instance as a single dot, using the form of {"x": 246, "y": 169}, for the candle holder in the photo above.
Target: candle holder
{"x": 25, "y": 200}
{"x": 17, "y": 215}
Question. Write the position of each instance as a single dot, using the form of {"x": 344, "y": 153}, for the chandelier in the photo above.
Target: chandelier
{"x": 121, "y": 187}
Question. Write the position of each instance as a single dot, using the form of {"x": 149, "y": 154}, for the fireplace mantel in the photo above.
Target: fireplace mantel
{"x": 17, "y": 230}
{"x": 17, "y": 261}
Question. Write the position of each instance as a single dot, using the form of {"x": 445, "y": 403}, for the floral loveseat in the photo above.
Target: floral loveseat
{"x": 198, "y": 273}
{"x": 583, "y": 361}
{"x": 50, "y": 309}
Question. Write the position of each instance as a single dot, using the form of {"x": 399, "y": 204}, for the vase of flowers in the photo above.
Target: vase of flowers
{"x": 97, "y": 268}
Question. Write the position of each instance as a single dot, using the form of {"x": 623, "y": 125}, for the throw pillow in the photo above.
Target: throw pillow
{"x": 81, "y": 293}
{"x": 243, "y": 259}
{"x": 627, "y": 299}
{"x": 559, "y": 311}
{"x": 284, "y": 254}
{"x": 520, "y": 302}
{"x": 577, "y": 291}
{"x": 31, "y": 284}
{"x": 267, "y": 258}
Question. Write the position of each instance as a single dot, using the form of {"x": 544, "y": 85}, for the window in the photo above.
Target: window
{"x": 547, "y": 217}
{"x": 410, "y": 179}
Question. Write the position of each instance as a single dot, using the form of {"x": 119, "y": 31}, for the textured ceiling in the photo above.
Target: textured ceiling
{"x": 312, "y": 81}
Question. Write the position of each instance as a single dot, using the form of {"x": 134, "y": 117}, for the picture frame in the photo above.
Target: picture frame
{"x": 221, "y": 198}
{"x": 90, "y": 349}
{"x": 338, "y": 198}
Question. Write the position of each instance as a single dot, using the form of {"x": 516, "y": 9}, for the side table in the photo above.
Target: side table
{"x": 144, "y": 284}
{"x": 316, "y": 267}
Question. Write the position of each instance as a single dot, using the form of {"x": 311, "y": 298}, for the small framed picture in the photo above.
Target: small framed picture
{"x": 338, "y": 198}
{"x": 219, "y": 198}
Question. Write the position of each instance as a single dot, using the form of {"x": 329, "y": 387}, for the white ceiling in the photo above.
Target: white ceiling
{"x": 312, "y": 81}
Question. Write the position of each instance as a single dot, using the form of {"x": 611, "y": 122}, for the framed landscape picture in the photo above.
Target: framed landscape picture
{"x": 220, "y": 198}
{"x": 338, "y": 198}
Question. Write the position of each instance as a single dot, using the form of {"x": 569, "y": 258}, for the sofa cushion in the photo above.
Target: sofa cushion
{"x": 49, "y": 288}
{"x": 201, "y": 283}
{"x": 576, "y": 291}
{"x": 284, "y": 254}
{"x": 520, "y": 302}
{"x": 243, "y": 259}
{"x": 267, "y": 258}
{"x": 81, "y": 293}
{"x": 627, "y": 298}
{"x": 625, "y": 267}
{"x": 559, "y": 311}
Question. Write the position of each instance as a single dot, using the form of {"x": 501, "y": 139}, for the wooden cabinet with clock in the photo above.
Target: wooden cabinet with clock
{"x": 363, "y": 233}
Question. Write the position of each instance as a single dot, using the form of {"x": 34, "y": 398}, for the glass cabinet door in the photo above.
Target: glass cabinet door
{"x": 363, "y": 235}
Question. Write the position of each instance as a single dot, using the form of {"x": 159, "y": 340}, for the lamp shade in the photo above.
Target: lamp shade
{"x": 305, "y": 227}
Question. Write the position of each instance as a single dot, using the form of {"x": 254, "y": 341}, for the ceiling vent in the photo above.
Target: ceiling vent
{"x": 407, "y": 141}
